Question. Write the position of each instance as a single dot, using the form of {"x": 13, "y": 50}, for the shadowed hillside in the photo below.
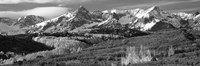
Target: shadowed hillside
{"x": 12, "y": 46}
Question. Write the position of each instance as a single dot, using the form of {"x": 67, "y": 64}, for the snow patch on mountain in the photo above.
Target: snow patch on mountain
{"x": 29, "y": 20}
{"x": 148, "y": 18}
{"x": 68, "y": 21}
{"x": 185, "y": 16}
{"x": 42, "y": 24}
{"x": 139, "y": 19}
{"x": 197, "y": 17}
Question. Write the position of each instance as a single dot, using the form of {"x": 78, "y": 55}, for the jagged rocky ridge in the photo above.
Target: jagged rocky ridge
{"x": 29, "y": 20}
{"x": 18, "y": 26}
{"x": 153, "y": 18}
{"x": 68, "y": 21}
{"x": 80, "y": 20}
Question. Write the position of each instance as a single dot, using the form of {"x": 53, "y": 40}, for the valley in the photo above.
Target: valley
{"x": 133, "y": 37}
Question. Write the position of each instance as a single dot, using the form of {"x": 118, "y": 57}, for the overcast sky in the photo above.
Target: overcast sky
{"x": 53, "y": 8}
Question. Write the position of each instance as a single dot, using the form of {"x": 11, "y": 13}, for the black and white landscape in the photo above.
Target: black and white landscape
{"x": 144, "y": 34}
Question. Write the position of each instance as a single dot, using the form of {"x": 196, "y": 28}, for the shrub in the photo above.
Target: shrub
{"x": 171, "y": 51}
{"x": 7, "y": 61}
{"x": 133, "y": 57}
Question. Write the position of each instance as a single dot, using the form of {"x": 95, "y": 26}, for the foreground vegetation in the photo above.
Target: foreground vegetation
{"x": 162, "y": 48}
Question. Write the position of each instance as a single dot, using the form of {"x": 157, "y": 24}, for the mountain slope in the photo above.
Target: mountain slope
{"x": 14, "y": 26}
{"x": 147, "y": 19}
{"x": 7, "y": 21}
{"x": 20, "y": 45}
{"x": 139, "y": 19}
{"x": 64, "y": 22}
{"x": 111, "y": 22}
{"x": 111, "y": 52}
{"x": 6, "y": 26}
{"x": 29, "y": 20}
{"x": 196, "y": 22}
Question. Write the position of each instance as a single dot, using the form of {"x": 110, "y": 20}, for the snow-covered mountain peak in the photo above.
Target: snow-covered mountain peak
{"x": 154, "y": 8}
{"x": 112, "y": 21}
{"x": 81, "y": 9}
{"x": 29, "y": 17}
{"x": 153, "y": 11}
{"x": 113, "y": 11}
{"x": 67, "y": 15}
{"x": 197, "y": 17}
{"x": 65, "y": 22}
{"x": 139, "y": 19}
{"x": 136, "y": 11}
{"x": 82, "y": 12}
{"x": 147, "y": 19}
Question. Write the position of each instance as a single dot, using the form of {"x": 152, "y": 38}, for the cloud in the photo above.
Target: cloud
{"x": 145, "y": 5}
{"x": 41, "y": 1}
{"x": 47, "y": 12}
{"x": 186, "y": 10}
{"x": 23, "y": 1}
{"x": 155, "y": 3}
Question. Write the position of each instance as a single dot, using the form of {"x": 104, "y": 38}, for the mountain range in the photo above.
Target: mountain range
{"x": 81, "y": 19}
